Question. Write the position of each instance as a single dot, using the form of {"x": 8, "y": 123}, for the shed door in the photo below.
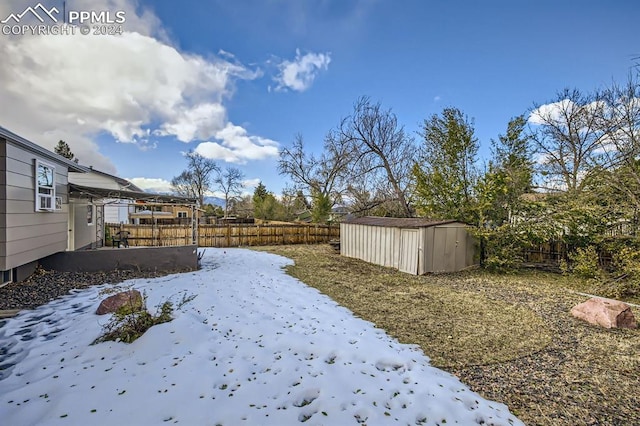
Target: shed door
{"x": 448, "y": 251}
{"x": 409, "y": 251}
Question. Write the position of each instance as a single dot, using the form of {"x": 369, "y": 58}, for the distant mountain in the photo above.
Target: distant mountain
{"x": 216, "y": 201}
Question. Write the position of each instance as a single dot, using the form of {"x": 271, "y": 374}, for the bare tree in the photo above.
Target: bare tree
{"x": 230, "y": 184}
{"x": 383, "y": 154}
{"x": 195, "y": 180}
{"x": 323, "y": 178}
{"x": 619, "y": 150}
{"x": 566, "y": 135}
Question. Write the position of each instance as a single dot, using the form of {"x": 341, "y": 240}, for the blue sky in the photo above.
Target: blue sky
{"x": 237, "y": 80}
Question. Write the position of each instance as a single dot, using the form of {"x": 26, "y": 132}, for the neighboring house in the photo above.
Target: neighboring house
{"x": 115, "y": 210}
{"x": 338, "y": 213}
{"x": 414, "y": 245}
{"x": 304, "y": 216}
{"x": 150, "y": 213}
{"x": 34, "y": 205}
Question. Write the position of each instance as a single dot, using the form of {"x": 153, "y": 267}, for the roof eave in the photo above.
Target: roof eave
{"x": 9, "y": 135}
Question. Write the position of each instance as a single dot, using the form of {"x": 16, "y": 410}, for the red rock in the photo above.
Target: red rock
{"x": 131, "y": 298}
{"x": 605, "y": 313}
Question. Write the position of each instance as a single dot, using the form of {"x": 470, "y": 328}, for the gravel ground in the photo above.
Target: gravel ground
{"x": 586, "y": 375}
{"x": 44, "y": 286}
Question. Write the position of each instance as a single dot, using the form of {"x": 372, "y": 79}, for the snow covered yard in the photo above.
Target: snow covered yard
{"x": 254, "y": 346}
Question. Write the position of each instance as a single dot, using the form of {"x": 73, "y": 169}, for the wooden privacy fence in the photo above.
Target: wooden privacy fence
{"x": 553, "y": 252}
{"x": 548, "y": 253}
{"x": 232, "y": 235}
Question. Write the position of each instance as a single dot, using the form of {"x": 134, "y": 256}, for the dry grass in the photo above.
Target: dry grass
{"x": 510, "y": 338}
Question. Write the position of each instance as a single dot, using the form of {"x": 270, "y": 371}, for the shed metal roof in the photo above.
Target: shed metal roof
{"x": 394, "y": 222}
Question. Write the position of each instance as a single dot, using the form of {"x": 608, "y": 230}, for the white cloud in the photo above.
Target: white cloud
{"x": 152, "y": 184}
{"x": 557, "y": 112}
{"x": 136, "y": 87}
{"x": 299, "y": 74}
{"x": 237, "y": 146}
{"x": 200, "y": 122}
{"x": 119, "y": 84}
{"x": 251, "y": 183}
{"x": 550, "y": 113}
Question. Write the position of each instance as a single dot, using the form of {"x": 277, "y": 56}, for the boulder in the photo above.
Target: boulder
{"x": 130, "y": 300}
{"x": 605, "y": 313}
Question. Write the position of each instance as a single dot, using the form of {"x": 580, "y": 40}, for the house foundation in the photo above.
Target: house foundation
{"x": 156, "y": 259}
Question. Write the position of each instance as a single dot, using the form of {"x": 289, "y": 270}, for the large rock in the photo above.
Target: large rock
{"x": 606, "y": 313}
{"x": 131, "y": 301}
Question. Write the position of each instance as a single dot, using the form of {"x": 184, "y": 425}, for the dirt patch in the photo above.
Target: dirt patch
{"x": 510, "y": 338}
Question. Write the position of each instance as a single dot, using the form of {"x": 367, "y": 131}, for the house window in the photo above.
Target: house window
{"x": 45, "y": 187}
{"x": 7, "y": 277}
{"x": 182, "y": 215}
{"x": 89, "y": 215}
{"x": 139, "y": 209}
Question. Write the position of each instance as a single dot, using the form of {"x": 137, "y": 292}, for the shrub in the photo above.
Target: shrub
{"x": 583, "y": 263}
{"x": 502, "y": 248}
{"x": 127, "y": 324}
{"x": 626, "y": 262}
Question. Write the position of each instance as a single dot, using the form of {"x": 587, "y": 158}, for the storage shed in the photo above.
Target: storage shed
{"x": 413, "y": 245}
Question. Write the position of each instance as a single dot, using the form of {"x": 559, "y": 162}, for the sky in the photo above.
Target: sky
{"x": 254, "y": 348}
{"x": 237, "y": 81}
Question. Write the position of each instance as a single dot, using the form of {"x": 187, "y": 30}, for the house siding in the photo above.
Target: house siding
{"x": 84, "y": 234}
{"x": 27, "y": 235}
{"x": 116, "y": 211}
{"x": 93, "y": 180}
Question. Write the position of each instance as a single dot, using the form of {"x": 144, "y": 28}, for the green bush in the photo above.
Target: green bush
{"x": 503, "y": 258}
{"x": 583, "y": 263}
{"x": 502, "y": 248}
{"x": 626, "y": 262}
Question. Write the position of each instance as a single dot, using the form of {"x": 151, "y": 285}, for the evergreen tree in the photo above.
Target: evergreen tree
{"x": 321, "y": 208}
{"x": 446, "y": 174}
{"x": 260, "y": 192}
{"x": 266, "y": 206}
{"x": 63, "y": 149}
{"x": 510, "y": 172}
